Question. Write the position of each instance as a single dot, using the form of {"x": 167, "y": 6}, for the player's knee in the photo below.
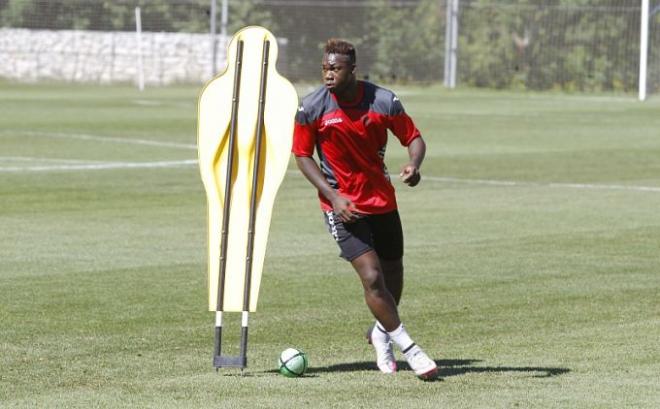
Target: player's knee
{"x": 372, "y": 280}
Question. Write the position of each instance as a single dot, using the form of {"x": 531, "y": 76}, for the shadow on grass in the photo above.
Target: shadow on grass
{"x": 448, "y": 367}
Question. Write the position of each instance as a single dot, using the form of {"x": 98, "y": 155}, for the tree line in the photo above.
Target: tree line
{"x": 586, "y": 45}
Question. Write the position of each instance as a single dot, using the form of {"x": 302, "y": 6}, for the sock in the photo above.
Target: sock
{"x": 402, "y": 339}
{"x": 378, "y": 334}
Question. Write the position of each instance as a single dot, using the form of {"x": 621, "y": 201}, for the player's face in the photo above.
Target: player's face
{"x": 338, "y": 72}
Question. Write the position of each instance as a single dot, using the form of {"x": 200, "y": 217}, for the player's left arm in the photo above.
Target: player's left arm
{"x": 410, "y": 174}
{"x": 404, "y": 128}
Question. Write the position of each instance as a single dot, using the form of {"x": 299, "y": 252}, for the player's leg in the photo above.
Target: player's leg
{"x": 355, "y": 240}
{"x": 378, "y": 298}
{"x": 388, "y": 326}
{"x": 355, "y": 243}
{"x": 382, "y": 306}
{"x": 387, "y": 237}
{"x": 393, "y": 274}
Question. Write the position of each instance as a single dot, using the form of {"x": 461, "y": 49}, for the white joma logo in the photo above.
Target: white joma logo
{"x": 332, "y": 121}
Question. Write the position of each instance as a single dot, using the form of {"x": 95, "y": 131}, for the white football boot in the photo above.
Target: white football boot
{"x": 423, "y": 366}
{"x": 384, "y": 352}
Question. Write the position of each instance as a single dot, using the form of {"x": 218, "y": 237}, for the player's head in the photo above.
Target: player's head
{"x": 338, "y": 65}
{"x": 342, "y": 47}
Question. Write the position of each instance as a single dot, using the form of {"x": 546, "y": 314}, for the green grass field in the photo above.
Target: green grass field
{"x": 533, "y": 259}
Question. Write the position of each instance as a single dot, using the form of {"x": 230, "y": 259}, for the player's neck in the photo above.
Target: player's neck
{"x": 350, "y": 93}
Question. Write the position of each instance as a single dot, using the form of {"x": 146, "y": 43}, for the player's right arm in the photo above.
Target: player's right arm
{"x": 304, "y": 142}
{"x": 341, "y": 206}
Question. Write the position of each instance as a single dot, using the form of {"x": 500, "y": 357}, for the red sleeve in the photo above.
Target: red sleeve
{"x": 304, "y": 139}
{"x": 404, "y": 128}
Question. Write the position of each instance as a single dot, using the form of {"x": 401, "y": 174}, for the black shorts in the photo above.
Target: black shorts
{"x": 379, "y": 232}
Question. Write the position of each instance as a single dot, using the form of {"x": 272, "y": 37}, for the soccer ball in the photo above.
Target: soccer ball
{"x": 292, "y": 362}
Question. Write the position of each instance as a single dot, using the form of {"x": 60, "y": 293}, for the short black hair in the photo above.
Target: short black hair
{"x": 338, "y": 46}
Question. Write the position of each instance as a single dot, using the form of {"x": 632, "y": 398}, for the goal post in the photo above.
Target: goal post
{"x": 643, "y": 49}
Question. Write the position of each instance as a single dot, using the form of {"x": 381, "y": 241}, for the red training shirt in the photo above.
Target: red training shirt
{"x": 350, "y": 139}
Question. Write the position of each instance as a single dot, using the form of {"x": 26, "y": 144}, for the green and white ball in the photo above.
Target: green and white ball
{"x": 292, "y": 362}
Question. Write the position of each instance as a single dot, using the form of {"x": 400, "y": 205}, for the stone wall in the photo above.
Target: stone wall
{"x": 106, "y": 57}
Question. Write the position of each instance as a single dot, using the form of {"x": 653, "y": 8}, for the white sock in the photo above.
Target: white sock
{"x": 378, "y": 334}
{"x": 401, "y": 338}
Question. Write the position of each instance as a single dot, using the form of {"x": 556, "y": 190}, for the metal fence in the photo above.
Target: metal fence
{"x": 552, "y": 46}
{"x": 524, "y": 44}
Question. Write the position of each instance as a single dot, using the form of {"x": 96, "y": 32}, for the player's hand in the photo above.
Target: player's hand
{"x": 344, "y": 209}
{"x": 410, "y": 175}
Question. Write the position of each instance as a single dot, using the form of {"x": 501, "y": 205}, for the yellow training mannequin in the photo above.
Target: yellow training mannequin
{"x": 215, "y": 107}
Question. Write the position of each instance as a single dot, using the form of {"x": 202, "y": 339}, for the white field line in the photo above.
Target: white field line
{"x": 91, "y": 165}
{"x": 147, "y": 102}
{"x": 99, "y": 166}
{"x": 39, "y": 160}
{"x": 583, "y": 186}
{"x": 109, "y": 139}
{"x": 586, "y": 186}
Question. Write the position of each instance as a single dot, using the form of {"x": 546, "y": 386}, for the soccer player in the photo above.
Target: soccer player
{"x": 346, "y": 122}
